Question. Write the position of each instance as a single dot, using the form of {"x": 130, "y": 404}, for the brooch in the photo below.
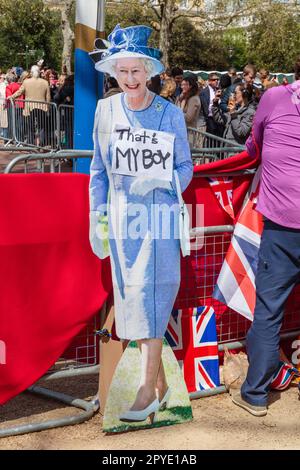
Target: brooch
{"x": 158, "y": 106}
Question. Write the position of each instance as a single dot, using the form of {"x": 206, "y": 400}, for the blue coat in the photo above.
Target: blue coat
{"x": 145, "y": 269}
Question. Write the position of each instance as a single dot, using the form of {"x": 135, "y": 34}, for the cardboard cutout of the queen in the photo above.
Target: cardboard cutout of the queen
{"x": 140, "y": 141}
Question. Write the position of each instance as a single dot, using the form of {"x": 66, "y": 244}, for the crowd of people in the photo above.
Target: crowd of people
{"x": 32, "y": 93}
{"x": 223, "y": 106}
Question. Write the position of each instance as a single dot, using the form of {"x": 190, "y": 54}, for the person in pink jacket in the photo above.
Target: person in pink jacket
{"x": 276, "y": 135}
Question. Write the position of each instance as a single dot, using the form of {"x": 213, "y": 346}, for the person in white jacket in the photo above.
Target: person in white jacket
{"x": 3, "y": 111}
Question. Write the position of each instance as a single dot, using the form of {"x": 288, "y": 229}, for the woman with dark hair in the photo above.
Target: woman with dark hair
{"x": 65, "y": 93}
{"x": 52, "y": 79}
{"x": 189, "y": 101}
{"x": 65, "y": 96}
{"x": 225, "y": 81}
{"x": 238, "y": 120}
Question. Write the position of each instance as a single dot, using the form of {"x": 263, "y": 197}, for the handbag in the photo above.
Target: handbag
{"x": 184, "y": 221}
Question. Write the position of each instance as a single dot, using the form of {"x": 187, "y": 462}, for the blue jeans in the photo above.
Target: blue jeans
{"x": 278, "y": 272}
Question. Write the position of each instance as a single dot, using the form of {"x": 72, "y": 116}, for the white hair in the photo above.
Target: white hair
{"x": 35, "y": 71}
{"x": 111, "y": 65}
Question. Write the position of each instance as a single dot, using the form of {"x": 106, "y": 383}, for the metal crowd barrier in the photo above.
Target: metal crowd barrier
{"x": 51, "y": 162}
{"x": 199, "y": 276}
{"x": 43, "y": 125}
{"x": 209, "y": 155}
{"x": 211, "y": 147}
{"x": 36, "y": 124}
{"x": 207, "y": 148}
{"x": 65, "y": 126}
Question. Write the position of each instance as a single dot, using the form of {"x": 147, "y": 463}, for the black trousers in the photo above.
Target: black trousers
{"x": 36, "y": 124}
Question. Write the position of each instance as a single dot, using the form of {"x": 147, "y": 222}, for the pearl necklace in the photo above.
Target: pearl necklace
{"x": 147, "y": 94}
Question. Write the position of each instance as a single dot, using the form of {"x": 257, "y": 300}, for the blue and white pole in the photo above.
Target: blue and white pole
{"x": 90, "y": 18}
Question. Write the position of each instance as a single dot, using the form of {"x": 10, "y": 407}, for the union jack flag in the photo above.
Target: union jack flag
{"x": 192, "y": 335}
{"x": 236, "y": 282}
{"x": 222, "y": 189}
{"x": 284, "y": 376}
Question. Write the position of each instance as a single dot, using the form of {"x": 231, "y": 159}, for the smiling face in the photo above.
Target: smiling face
{"x": 132, "y": 76}
{"x": 185, "y": 86}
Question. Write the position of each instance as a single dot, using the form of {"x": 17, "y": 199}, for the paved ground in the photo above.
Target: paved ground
{"x": 217, "y": 424}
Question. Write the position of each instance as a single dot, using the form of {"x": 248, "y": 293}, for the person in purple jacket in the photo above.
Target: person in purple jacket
{"x": 276, "y": 135}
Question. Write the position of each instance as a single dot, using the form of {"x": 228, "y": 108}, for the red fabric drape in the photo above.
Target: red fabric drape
{"x": 51, "y": 284}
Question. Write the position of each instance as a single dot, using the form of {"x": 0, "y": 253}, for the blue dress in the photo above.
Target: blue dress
{"x": 145, "y": 259}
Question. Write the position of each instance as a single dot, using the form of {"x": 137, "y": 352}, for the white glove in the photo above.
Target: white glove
{"x": 99, "y": 237}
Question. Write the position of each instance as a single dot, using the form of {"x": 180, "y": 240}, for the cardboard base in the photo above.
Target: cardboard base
{"x": 124, "y": 387}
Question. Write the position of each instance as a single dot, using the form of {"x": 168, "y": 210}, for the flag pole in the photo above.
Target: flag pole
{"x": 101, "y": 18}
{"x": 90, "y": 23}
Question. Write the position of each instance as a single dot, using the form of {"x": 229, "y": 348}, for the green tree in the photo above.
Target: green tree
{"x": 168, "y": 19}
{"x": 237, "y": 40}
{"x": 216, "y": 13}
{"x": 127, "y": 16}
{"x": 194, "y": 50}
{"x": 274, "y": 38}
{"x": 67, "y": 12}
{"x": 186, "y": 45}
{"x": 28, "y": 23}
{"x": 189, "y": 47}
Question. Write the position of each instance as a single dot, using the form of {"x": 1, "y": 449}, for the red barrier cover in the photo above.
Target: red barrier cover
{"x": 51, "y": 284}
{"x": 200, "y": 192}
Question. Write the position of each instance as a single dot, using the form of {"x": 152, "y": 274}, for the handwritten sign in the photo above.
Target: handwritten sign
{"x": 143, "y": 152}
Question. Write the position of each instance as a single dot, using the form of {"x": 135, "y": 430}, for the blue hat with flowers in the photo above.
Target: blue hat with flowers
{"x": 126, "y": 43}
